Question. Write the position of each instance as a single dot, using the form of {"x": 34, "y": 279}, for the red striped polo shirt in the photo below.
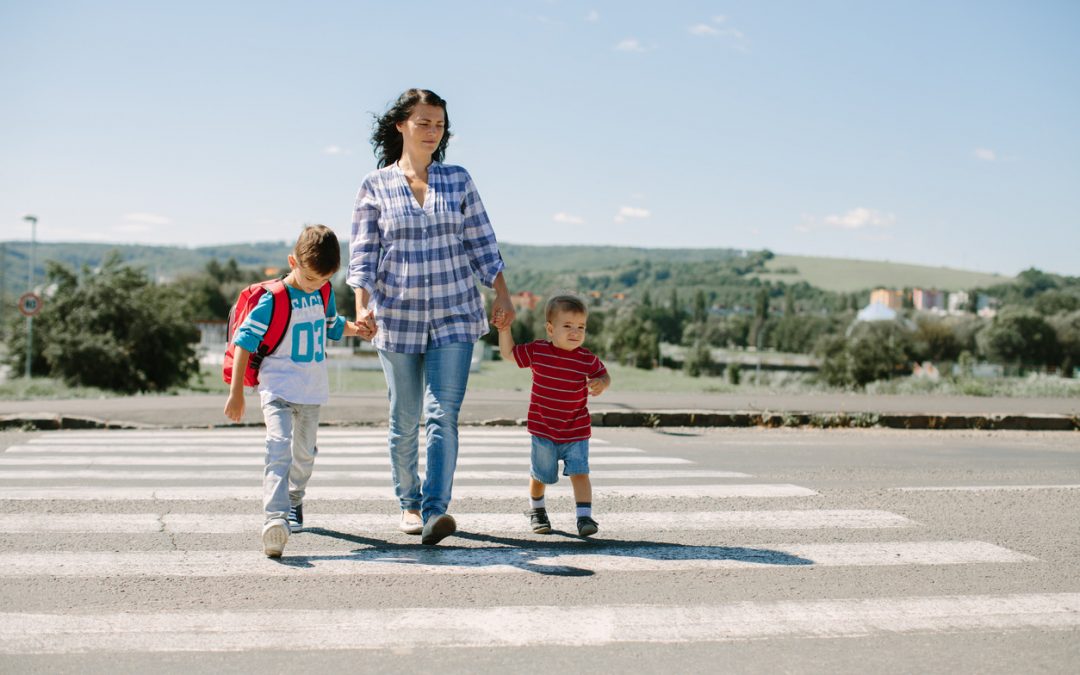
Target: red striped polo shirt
{"x": 557, "y": 406}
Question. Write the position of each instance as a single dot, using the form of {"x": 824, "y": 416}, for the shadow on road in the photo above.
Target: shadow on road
{"x": 530, "y": 555}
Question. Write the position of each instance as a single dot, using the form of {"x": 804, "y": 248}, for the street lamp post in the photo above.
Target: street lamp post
{"x": 30, "y": 289}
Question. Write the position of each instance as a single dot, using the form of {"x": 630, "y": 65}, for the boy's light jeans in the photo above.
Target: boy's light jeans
{"x": 290, "y": 454}
{"x": 437, "y": 378}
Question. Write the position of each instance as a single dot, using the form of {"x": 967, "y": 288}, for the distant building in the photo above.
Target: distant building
{"x": 525, "y": 299}
{"x": 876, "y": 311}
{"x": 986, "y": 306}
{"x": 928, "y": 300}
{"x": 887, "y": 297}
{"x": 958, "y": 302}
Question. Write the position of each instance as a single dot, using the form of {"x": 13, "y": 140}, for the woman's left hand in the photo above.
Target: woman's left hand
{"x": 502, "y": 312}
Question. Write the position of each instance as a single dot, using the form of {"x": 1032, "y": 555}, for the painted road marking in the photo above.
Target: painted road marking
{"x": 29, "y": 455}
{"x": 253, "y": 474}
{"x": 367, "y": 493}
{"x": 502, "y": 560}
{"x": 518, "y": 626}
{"x": 217, "y": 523}
{"x": 986, "y": 488}
{"x": 256, "y": 449}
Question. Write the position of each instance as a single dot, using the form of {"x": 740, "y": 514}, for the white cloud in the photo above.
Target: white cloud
{"x": 859, "y": 218}
{"x": 593, "y": 15}
{"x": 568, "y": 218}
{"x": 732, "y": 37}
{"x": 631, "y": 212}
{"x": 985, "y": 154}
{"x": 135, "y": 219}
{"x": 336, "y": 150}
{"x": 629, "y": 45}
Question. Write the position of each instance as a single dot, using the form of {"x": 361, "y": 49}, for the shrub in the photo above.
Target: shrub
{"x": 114, "y": 329}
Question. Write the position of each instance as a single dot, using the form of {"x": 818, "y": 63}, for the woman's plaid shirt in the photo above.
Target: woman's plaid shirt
{"x": 418, "y": 263}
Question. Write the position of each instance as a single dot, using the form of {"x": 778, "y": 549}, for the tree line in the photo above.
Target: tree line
{"x": 113, "y": 327}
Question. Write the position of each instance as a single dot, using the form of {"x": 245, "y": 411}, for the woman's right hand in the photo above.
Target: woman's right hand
{"x": 365, "y": 315}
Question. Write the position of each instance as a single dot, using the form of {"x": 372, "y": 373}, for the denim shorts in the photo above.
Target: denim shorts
{"x": 547, "y": 453}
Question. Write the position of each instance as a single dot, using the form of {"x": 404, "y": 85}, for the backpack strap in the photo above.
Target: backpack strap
{"x": 280, "y": 315}
{"x": 325, "y": 292}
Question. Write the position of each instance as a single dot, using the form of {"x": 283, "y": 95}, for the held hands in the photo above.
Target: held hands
{"x": 502, "y": 312}
{"x": 498, "y": 320}
{"x": 598, "y": 385}
{"x": 365, "y": 323}
{"x": 352, "y": 328}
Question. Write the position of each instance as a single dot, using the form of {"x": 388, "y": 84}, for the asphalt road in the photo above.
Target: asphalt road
{"x": 720, "y": 550}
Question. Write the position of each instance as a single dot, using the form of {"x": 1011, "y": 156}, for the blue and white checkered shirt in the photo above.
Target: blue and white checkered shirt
{"x": 418, "y": 263}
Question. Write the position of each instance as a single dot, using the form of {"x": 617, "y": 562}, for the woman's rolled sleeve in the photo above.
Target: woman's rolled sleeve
{"x": 365, "y": 241}
{"x": 479, "y": 237}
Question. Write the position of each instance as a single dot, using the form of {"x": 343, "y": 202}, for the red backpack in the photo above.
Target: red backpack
{"x": 280, "y": 314}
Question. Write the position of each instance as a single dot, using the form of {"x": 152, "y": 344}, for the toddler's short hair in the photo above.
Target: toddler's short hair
{"x": 318, "y": 250}
{"x": 565, "y": 303}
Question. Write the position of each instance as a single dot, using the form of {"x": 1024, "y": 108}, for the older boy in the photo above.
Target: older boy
{"x": 564, "y": 375}
{"x": 293, "y": 381}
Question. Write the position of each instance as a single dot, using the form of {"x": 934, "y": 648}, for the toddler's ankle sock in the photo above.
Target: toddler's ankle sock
{"x": 584, "y": 509}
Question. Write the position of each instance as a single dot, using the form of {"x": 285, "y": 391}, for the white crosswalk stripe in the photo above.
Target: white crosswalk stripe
{"x": 614, "y": 523}
{"x": 533, "y": 625}
{"x": 501, "y": 560}
{"x": 136, "y": 488}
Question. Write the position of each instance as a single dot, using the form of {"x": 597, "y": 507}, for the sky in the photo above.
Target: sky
{"x": 935, "y": 133}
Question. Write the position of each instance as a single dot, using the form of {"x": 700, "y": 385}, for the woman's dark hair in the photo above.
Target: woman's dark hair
{"x": 386, "y": 139}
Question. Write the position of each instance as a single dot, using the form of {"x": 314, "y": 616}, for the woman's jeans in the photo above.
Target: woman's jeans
{"x": 290, "y": 454}
{"x": 436, "y": 379}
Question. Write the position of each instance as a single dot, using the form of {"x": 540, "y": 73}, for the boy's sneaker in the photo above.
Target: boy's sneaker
{"x": 274, "y": 535}
{"x": 538, "y": 519}
{"x": 296, "y": 518}
{"x": 586, "y": 526}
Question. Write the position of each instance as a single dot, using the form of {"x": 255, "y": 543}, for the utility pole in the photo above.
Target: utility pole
{"x": 30, "y": 289}
{"x": 3, "y": 290}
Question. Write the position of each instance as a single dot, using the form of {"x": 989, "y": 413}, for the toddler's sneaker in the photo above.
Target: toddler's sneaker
{"x": 296, "y": 518}
{"x": 538, "y": 519}
{"x": 586, "y": 526}
{"x": 274, "y": 535}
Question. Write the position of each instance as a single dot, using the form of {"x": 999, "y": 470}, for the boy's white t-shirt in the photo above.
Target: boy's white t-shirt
{"x": 296, "y": 371}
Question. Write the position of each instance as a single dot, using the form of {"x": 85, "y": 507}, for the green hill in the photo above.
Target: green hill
{"x": 844, "y": 275}
{"x": 539, "y": 267}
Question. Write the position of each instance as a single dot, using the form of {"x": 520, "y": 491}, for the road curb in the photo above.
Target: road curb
{"x": 55, "y": 422}
{"x": 644, "y": 418}
{"x": 705, "y": 418}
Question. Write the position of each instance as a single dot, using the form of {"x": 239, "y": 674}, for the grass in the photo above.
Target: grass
{"x": 40, "y": 388}
{"x": 845, "y": 276}
{"x": 500, "y": 375}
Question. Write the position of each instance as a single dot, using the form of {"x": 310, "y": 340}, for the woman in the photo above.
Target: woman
{"x": 419, "y": 235}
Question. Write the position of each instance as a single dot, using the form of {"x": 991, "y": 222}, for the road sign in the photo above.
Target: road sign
{"x": 30, "y": 304}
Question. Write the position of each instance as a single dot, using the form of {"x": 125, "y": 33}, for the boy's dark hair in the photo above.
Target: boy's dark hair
{"x": 317, "y": 249}
{"x": 565, "y": 303}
